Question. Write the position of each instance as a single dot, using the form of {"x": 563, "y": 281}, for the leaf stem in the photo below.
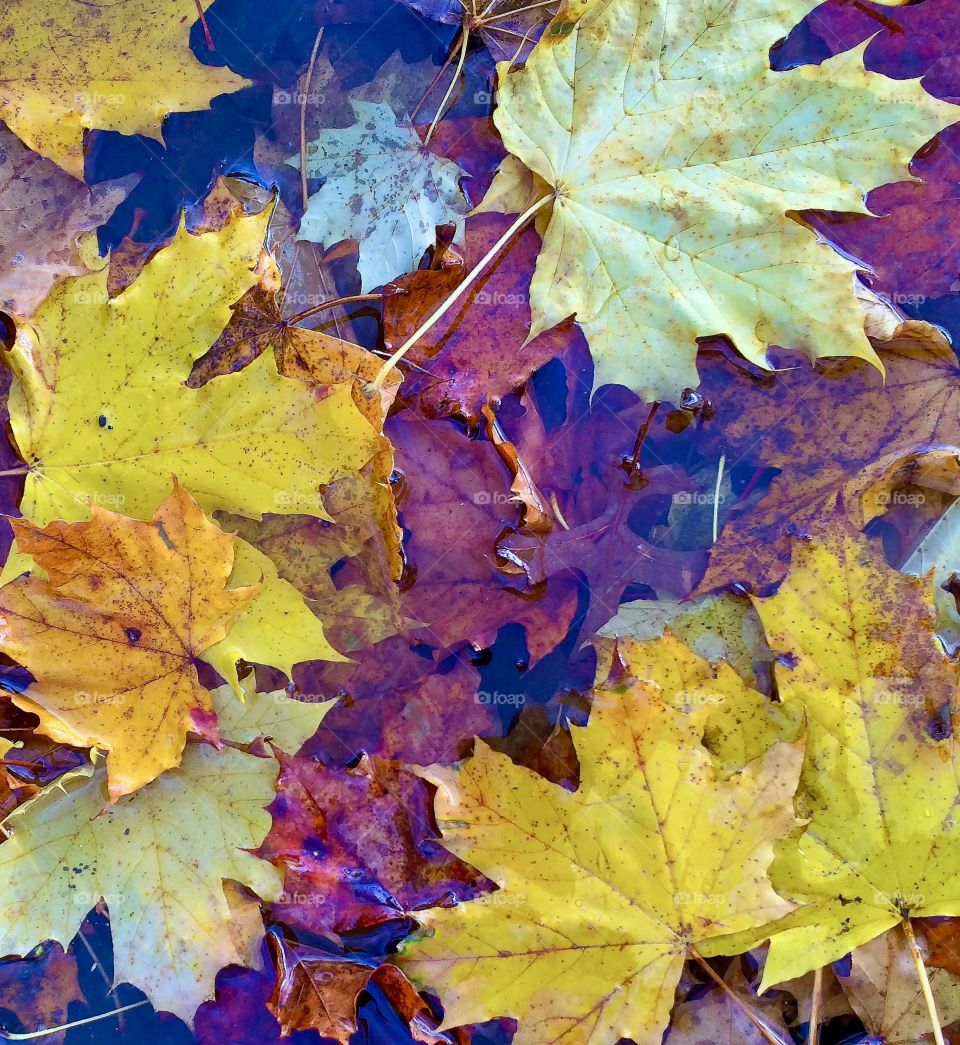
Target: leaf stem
{"x": 813, "y": 1029}
{"x": 924, "y": 982}
{"x": 22, "y": 470}
{"x": 303, "y": 117}
{"x": 31, "y": 1035}
{"x": 465, "y": 40}
{"x": 332, "y": 303}
{"x": 373, "y": 388}
{"x": 767, "y": 1033}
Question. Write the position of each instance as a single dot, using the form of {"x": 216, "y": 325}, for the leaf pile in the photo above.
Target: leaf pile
{"x": 526, "y": 625}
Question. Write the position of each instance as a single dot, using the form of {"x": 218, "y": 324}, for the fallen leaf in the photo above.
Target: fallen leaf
{"x": 39, "y": 991}
{"x": 248, "y": 442}
{"x": 656, "y": 239}
{"x": 859, "y": 656}
{"x": 112, "y": 636}
{"x": 158, "y": 860}
{"x": 478, "y": 352}
{"x": 715, "y": 627}
{"x": 316, "y": 991}
{"x": 652, "y": 854}
{"x": 454, "y": 502}
{"x": 95, "y": 66}
{"x": 865, "y": 427}
{"x": 382, "y": 188}
{"x": 319, "y": 991}
{"x": 716, "y": 1019}
{"x": 356, "y": 847}
{"x": 884, "y": 990}
{"x": 937, "y": 556}
{"x": 399, "y": 704}
{"x": 47, "y": 216}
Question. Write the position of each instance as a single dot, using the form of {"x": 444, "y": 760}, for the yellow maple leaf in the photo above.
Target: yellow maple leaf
{"x": 605, "y": 891}
{"x": 69, "y": 68}
{"x": 669, "y": 155}
{"x": 111, "y": 637}
{"x": 158, "y": 859}
{"x": 879, "y": 785}
{"x": 100, "y": 412}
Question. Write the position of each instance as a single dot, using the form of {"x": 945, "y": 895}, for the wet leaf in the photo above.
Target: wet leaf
{"x": 860, "y": 657}
{"x": 381, "y": 188}
{"x": 112, "y": 636}
{"x": 47, "y": 217}
{"x": 656, "y": 853}
{"x": 658, "y": 232}
{"x": 478, "y": 352}
{"x": 356, "y": 849}
{"x": 250, "y": 442}
{"x": 158, "y": 859}
{"x": 867, "y": 428}
{"x": 103, "y": 69}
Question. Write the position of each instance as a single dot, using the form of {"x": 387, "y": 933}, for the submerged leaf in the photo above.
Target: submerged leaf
{"x": 383, "y": 188}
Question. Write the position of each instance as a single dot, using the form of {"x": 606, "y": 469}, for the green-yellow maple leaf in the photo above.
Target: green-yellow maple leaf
{"x": 879, "y": 787}
{"x": 101, "y": 413}
{"x": 158, "y": 858}
{"x": 670, "y": 155}
{"x": 605, "y": 891}
{"x": 70, "y": 67}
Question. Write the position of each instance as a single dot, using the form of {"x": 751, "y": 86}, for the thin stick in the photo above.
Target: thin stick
{"x": 22, "y": 470}
{"x": 208, "y": 39}
{"x": 303, "y": 117}
{"x": 332, "y": 303}
{"x": 516, "y": 11}
{"x": 765, "y": 1032}
{"x": 10, "y": 1036}
{"x": 465, "y": 40}
{"x": 924, "y": 982}
{"x": 641, "y": 438}
{"x": 376, "y": 384}
{"x": 813, "y": 1030}
{"x": 716, "y": 496}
